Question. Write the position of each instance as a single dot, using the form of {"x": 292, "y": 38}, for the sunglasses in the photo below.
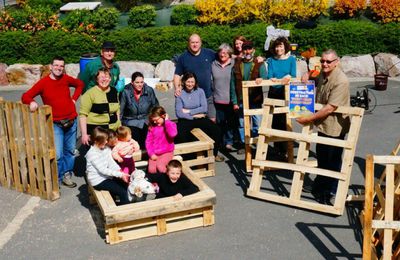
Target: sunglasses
{"x": 327, "y": 61}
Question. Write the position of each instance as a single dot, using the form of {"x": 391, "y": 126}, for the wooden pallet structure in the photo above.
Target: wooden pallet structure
{"x": 156, "y": 217}
{"x": 381, "y": 214}
{"x": 27, "y": 155}
{"x": 302, "y": 164}
{"x": 203, "y": 165}
{"x": 249, "y": 112}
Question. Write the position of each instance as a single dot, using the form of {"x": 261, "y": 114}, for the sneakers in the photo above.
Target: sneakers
{"x": 67, "y": 180}
{"x": 219, "y": 158}
{"x": 241, "y": 151}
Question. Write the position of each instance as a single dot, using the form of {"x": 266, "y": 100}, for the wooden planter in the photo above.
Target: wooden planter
{"x": 156, "y": 217}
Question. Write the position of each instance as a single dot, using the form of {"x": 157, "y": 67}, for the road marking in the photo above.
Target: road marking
{"x": 17, "y": 221}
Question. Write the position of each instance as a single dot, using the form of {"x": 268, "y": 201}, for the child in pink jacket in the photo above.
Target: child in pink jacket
{"x": 160, "y": 140}
{"x": 123, "y": 151}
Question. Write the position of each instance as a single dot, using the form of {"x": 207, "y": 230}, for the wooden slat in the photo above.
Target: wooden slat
{"x": 367, "y": 223}
{"x": 389, "y": 205}
{"x": 46, "y": 159}
{"x": 29, "y": 150}
{"x": 5, "y": 167}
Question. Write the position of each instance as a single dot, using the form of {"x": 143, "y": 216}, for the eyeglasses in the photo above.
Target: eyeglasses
{"x": 327, "y": 61}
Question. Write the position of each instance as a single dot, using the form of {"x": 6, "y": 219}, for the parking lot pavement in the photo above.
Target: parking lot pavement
{"x": 245, "y": 228}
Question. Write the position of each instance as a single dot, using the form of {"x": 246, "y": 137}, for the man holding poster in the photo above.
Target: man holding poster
{"x": 332, "y": 91}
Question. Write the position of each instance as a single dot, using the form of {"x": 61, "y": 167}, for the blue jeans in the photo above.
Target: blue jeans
{"x": 225, "y": 120}
{"x": 65, "y": 143}
{"x": 255, "y": 122}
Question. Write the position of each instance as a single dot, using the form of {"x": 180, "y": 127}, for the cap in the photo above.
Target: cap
{"x": 247, "y": 45}
{"x": 108, "y": 45}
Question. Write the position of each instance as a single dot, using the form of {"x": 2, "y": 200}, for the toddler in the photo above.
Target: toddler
{"x": 124, "y": 149}
{"x": 102, "y": 170}
{"x": 173, "y": 183}
{"x": 160, "y": 140}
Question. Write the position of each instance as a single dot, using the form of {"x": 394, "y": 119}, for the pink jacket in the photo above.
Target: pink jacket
{"x": 160, "y": 139}
{"x": 122, "y": 149}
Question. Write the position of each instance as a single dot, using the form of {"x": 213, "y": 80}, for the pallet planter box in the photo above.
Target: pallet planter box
{"x": 27, "y": 156}
{"x": 156, "y": 217}
{"x": 204, "y": 163}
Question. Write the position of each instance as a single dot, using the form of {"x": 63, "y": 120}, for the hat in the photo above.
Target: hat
{"x": 247, "y": 45}
{"x": 108, "y": 45}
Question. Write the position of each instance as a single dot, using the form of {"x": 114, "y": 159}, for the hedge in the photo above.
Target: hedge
{"x": 156, "y": 44}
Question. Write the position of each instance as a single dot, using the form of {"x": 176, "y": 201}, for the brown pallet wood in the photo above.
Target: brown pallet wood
{"x": 27, "y": 159}
{"x": 156, "y": 217}
{"x": 381, "y": 214}
{"x": 302, "y": 164}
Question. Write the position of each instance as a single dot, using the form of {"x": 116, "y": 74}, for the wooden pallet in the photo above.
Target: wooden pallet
{"x": 204, "y": 163}
{"x": 27, "y": 155}
{"x": 156, "y": 217}
{"x": 248, "y": 112}
{"x": 302, "y": 164}
{"x": 381, "y": 214}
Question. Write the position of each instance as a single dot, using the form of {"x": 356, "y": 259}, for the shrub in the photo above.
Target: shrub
{"x": 349, "y": 8}
{"x": 125, "y": 5}
{"x": 215, "y": 11}
{"x": 52, "y": 4}
{"x": 14, "y": 47}
{"x": 386, "y": 10}
{"x": 76, "y": 18}
{"x": 183, "y": 14}
{"x": 105, "y": 18}
{"x": 142, "y": 16}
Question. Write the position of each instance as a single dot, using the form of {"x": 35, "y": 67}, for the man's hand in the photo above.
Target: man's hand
{"x": 33, "y": 106}
{"x": 85, "y": 139}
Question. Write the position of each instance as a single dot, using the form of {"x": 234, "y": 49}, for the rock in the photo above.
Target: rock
{"x": 360, "y": 66}
{"x": 72, "y": 69}
{"x": 388, "y": 64}
{"x": 129, "y": 67}
{"x": 165, "y": 70}
{"x": 314, "y": 63}
{"x": 301, "y": 68}
{"x": 3, "y": 75}
{"x": 20, "y": 74}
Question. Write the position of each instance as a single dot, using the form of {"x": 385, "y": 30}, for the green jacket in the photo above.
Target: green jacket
{"x": 91, "y": 69}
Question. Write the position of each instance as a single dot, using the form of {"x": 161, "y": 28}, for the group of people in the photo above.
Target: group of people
{"x": 208, "y": 95}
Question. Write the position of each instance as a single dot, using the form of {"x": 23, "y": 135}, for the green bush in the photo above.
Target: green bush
{"x": 142, "y": 16}
{"x": 125, "y": 5}
{"x": 183, "y": 14}
{"x": 159, "y": 43}
{"x": 76, "y": 18}
{"x": 53, "y": 4}
{"x": 105, "y": 18}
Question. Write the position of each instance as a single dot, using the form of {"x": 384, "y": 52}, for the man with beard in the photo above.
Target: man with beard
{"x": 54, "y": 91}
{"x": 197, "y": 60}
{"x": 105, "y": 61}
{"x": 247, "y": 68}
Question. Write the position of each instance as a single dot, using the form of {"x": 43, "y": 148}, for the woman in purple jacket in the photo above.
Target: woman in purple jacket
{"x": 191, "y": 110}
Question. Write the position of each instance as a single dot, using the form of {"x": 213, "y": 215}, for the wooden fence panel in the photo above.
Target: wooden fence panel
{"x": 28, "y": 158}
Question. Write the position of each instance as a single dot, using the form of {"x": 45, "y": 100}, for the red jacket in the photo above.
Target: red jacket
{"x": 56, "y": 93}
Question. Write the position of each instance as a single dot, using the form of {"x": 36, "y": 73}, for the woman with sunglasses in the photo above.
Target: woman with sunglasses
{"x": 281, "y": 68}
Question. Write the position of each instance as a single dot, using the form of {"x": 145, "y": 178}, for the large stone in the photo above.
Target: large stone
{"x": 72, "y": 69}
{"x": 388, "y": 64}
{"x": 301, "y": 68}
{"x": 360, "y": 66}
{"x": 3, "y": 75}
{"x": 129, "y": 67}
{"x": 165, "y": 70}
{"x": 20, "y": 74}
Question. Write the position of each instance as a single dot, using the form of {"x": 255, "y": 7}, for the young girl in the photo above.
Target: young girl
{"x": 124, "y": 149}
{"x": 160, "y": 140}
{"x": 112, "y": 138}
{"x": 101, "y": 167}
{"x": 173, "y": 183}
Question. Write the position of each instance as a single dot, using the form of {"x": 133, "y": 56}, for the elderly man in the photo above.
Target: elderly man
{"x": 332, "y": 91}
{"x": 54, "y": 91}
{"x": 197, "y": 60}
{"x": 105, "y": 61}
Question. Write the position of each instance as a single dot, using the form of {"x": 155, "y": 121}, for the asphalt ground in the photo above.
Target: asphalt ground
{"x": 245, "y": 228}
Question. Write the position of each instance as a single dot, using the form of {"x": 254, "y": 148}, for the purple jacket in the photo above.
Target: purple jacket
{"x": 160, "y": 139}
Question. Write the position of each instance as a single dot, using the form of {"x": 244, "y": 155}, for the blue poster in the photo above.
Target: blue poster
{"x": 301, "y": 99}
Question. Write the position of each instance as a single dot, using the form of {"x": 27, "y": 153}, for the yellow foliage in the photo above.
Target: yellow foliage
{"x": 349, "y": 7}
{"x": 283, "y": 10}
{"x": 386, "y": 10}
